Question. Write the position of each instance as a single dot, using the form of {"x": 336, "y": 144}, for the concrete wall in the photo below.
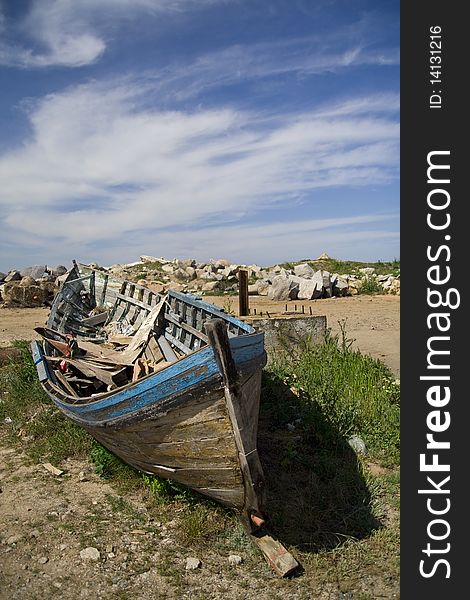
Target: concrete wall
{"x": 288, "y": 334}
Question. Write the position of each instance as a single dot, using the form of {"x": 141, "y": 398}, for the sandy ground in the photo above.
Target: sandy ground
{"x": 47, "y": 521}
{"x": 373, "y": 322}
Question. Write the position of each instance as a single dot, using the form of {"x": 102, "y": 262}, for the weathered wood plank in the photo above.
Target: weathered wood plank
{"x": 95, "y": 319}
{"x": 166, "y": 349}
{"x": 188, "y": 328}
{"x": 176, "y": 342}
{"x": 242, "y": 429}
{"x": 277, "y": 556}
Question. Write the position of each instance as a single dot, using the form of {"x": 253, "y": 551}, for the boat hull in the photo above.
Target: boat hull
{"x": 194, "y": 420}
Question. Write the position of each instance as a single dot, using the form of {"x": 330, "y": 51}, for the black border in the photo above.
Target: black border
{"x": 423, "y": 130}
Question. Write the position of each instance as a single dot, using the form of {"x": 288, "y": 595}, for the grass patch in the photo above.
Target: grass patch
{"x": 341, "y": 390}
{"x": 370, "y": 285}
{"x": 348, "y": 267}
{"x": 50, "y": 435}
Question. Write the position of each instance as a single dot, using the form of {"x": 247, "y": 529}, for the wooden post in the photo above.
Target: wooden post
{"x": 243, "y": 293}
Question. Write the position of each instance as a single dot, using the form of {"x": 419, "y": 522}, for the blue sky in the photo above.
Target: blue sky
{"x": 259, "y": 131}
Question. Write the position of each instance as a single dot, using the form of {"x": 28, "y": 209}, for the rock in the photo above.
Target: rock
{"x": 395, "y": 287}
{"x": 208, "y": 275}
{"x": 58, "y": 270}
{"x": 35, "y": 272}
{"x": 54, "y": 470}
{"x": 145, "y": 258}
{"x": 192, "y": 563}
{"x": 263, "y": 287}
{"x": 304, "y": 270}
{"x": 229, "y": 271}
{"x": 253, "y": 289}
{"x": 327, "y": 287}
{"x": 210, "y": 286}
{"x": 29, "y": 297}
{"x": 308, "y": 290}
{"x": 221, "y": 263}
{"x": 178, "y": 287}
{"x": 13, "y": 276}
{"x": 43, "y": 560}
{"x": 90, "y": 553}
{"x": 187, "y": 262}
{"x": 340, "y": 286}
{"x": 235, "y": 559}
{"x": 358, "y": 445}
{"x": 180, "y": 273}
{"x": 283, "y": 288}
{"x": 157, "y": 287}
{"x": 27, "y": 281}
{"x": 323, "y": 256}
{"x": 14, "y": 539}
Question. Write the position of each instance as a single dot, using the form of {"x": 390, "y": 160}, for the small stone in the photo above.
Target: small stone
{"x": 90, "y": 553}
{"x": 43, "y": 560}
{"x": 14, "y": 539}
{"x": 34, "y": 534}
{"x": 82, "y": 476}
{"x": 54, "y": 470}
{"x": 192, "y": 563}
{"x": 358, "y": 445}
{"x": 235, "y": 559}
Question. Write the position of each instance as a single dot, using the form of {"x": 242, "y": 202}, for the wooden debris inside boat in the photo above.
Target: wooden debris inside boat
{"x": 169, "y": 383}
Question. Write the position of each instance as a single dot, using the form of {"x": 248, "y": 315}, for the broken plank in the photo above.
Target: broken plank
{"x": 280, "y": 559}
{"x": 105, "y": 354}
{"x": 141, "y": 336}
{"x": 66, "y": 385}
{"x": 154, "y": 350}
{"x": 167, "y": 350}
{"x": 90, "y": 370}
{"x": 95, "y": 319}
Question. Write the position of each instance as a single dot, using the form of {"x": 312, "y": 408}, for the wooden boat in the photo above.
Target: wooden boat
{"x": 169, "y": 383}
{"x": 195, "y": 419}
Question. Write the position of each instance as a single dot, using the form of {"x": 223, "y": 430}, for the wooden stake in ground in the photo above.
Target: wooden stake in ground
{"x": 243, "y": 307}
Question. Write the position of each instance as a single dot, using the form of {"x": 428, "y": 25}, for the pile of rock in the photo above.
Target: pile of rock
{"x": 277, "y": 283}
{"x": 36, "y": 286}
{"x": 187, "y": 275}
{"x": 30, "y": 287}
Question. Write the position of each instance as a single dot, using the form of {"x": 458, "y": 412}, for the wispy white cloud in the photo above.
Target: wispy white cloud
{"x": 73, "y": 33}
{"x": 101, "y": 166}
